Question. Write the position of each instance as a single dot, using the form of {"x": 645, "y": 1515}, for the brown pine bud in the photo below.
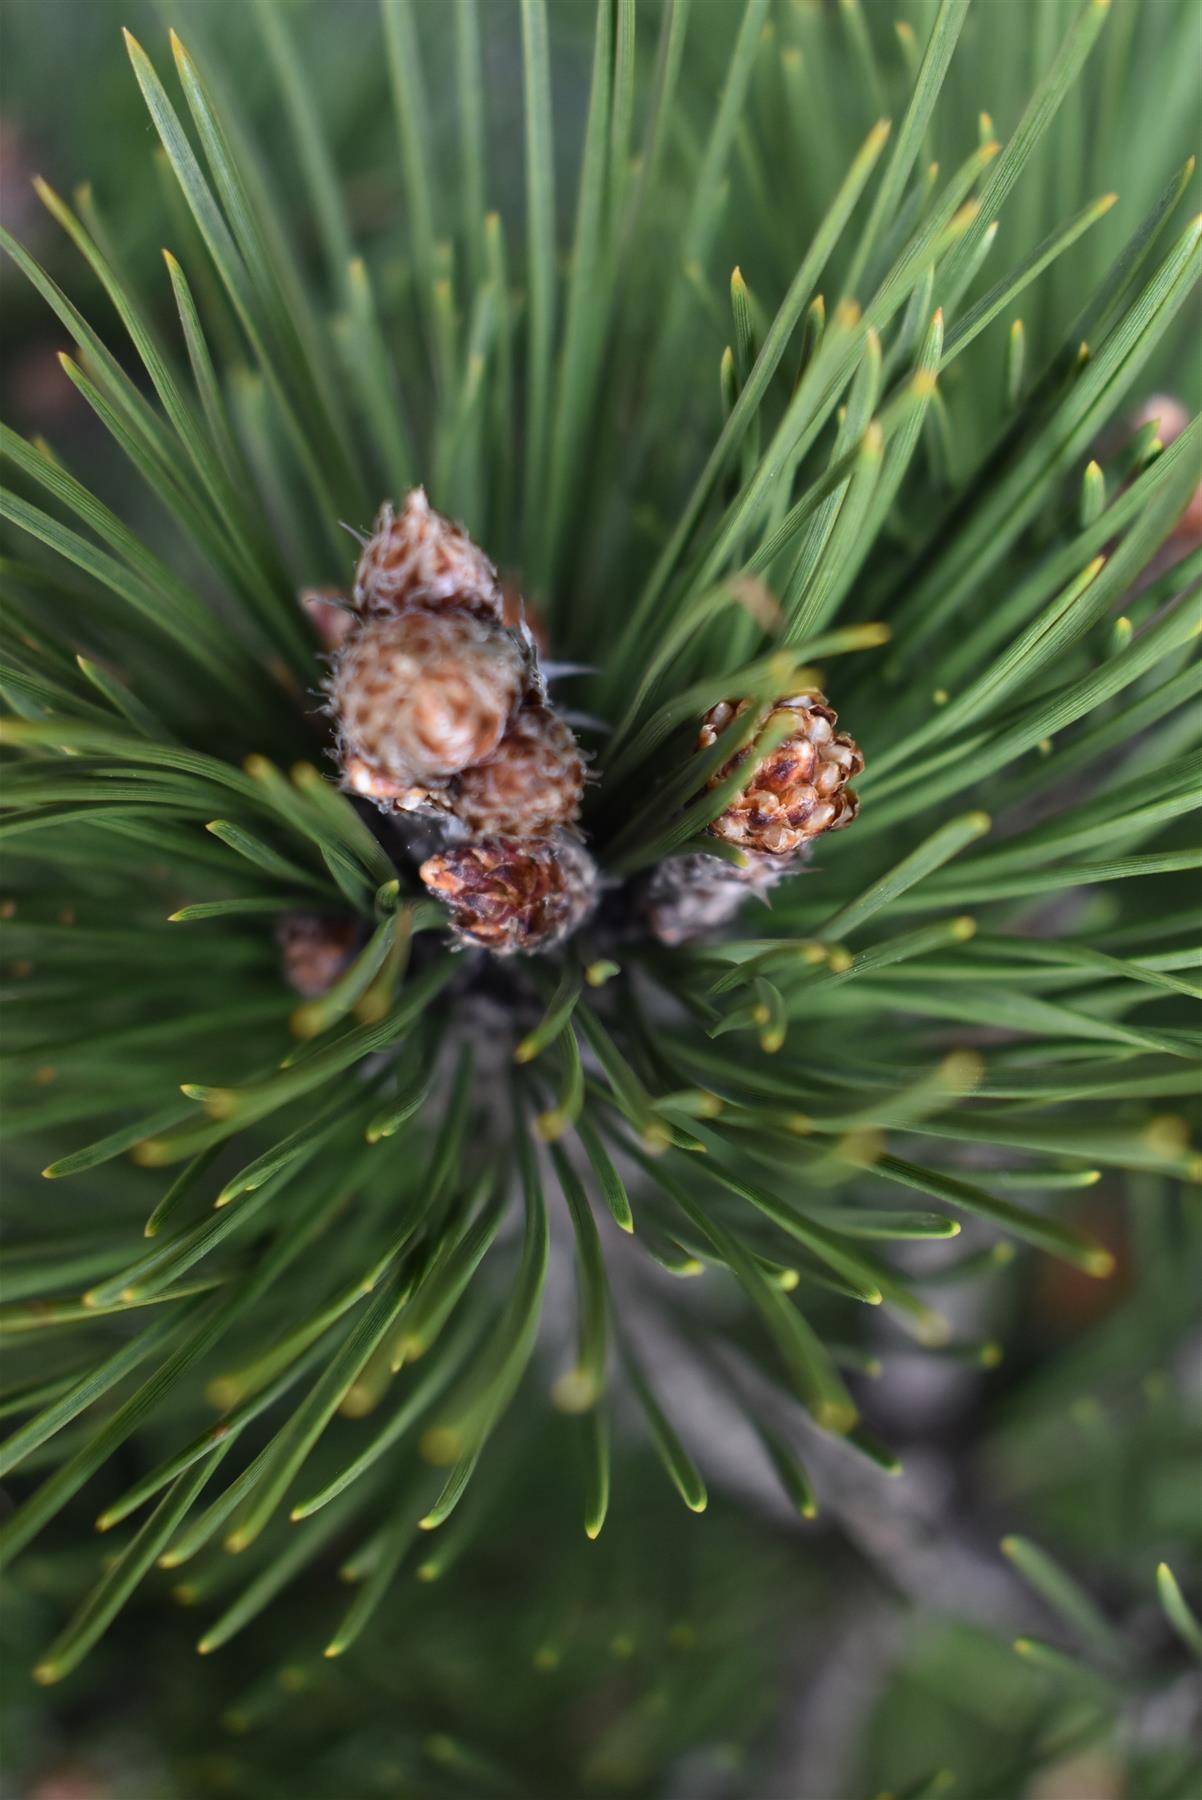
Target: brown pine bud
{"x": 510, "y": 895}
{"x": 421, "y": 696}
{"x": 531, "y": 783}
{"x": 800, "y": 789}
{"x": 419, "y": 558}
{"x": 314, "y": 950}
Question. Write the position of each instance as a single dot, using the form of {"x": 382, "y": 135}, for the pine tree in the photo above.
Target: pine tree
{"x": 729, "y": 816}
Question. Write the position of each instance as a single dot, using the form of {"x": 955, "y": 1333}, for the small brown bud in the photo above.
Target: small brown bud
{"x": 800, "y": 789}
{"x": 420, "y": 696}
{"x": 314, "y": 950}
{"x": 419, "y": 558}
{"x": 531, "y": 783}
{"x": 510, "y": 895}
{"x": 689, "y": 898}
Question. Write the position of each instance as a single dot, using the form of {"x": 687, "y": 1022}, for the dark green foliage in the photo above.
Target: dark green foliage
{"x": 284, "y": 1294}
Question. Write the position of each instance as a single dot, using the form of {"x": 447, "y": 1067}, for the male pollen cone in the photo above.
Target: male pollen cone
{"x": 800, "y": 789}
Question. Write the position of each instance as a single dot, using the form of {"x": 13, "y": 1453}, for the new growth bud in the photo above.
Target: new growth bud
{"x": 419, "y": 696}
{"x": 416, "y": 557}
{"x": 799, "y": 789}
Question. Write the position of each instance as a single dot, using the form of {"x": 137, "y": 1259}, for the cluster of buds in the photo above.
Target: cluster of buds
{"x": 442, "y": 714}
{"x": 793, "y": 795}
{"x": 441, "y": 709}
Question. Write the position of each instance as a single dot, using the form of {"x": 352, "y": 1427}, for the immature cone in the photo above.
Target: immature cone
{"x": 800, "y": 789}
{"x": 420, "y": 696}
{"x": 419, "y": 558}
{"x": 531, "y": 783}
{"x": 508, "y": 894}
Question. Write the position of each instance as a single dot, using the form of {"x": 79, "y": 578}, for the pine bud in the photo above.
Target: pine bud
{"x": 800, "y": 789}
{"x": 510, "y": 895}
{"x": 531, "y": 783}
{"x": 689, "y": 898}
{"x": 419, "y": 558}
{"x": 314, "y": 950}
{"x": 420, "y": 696}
